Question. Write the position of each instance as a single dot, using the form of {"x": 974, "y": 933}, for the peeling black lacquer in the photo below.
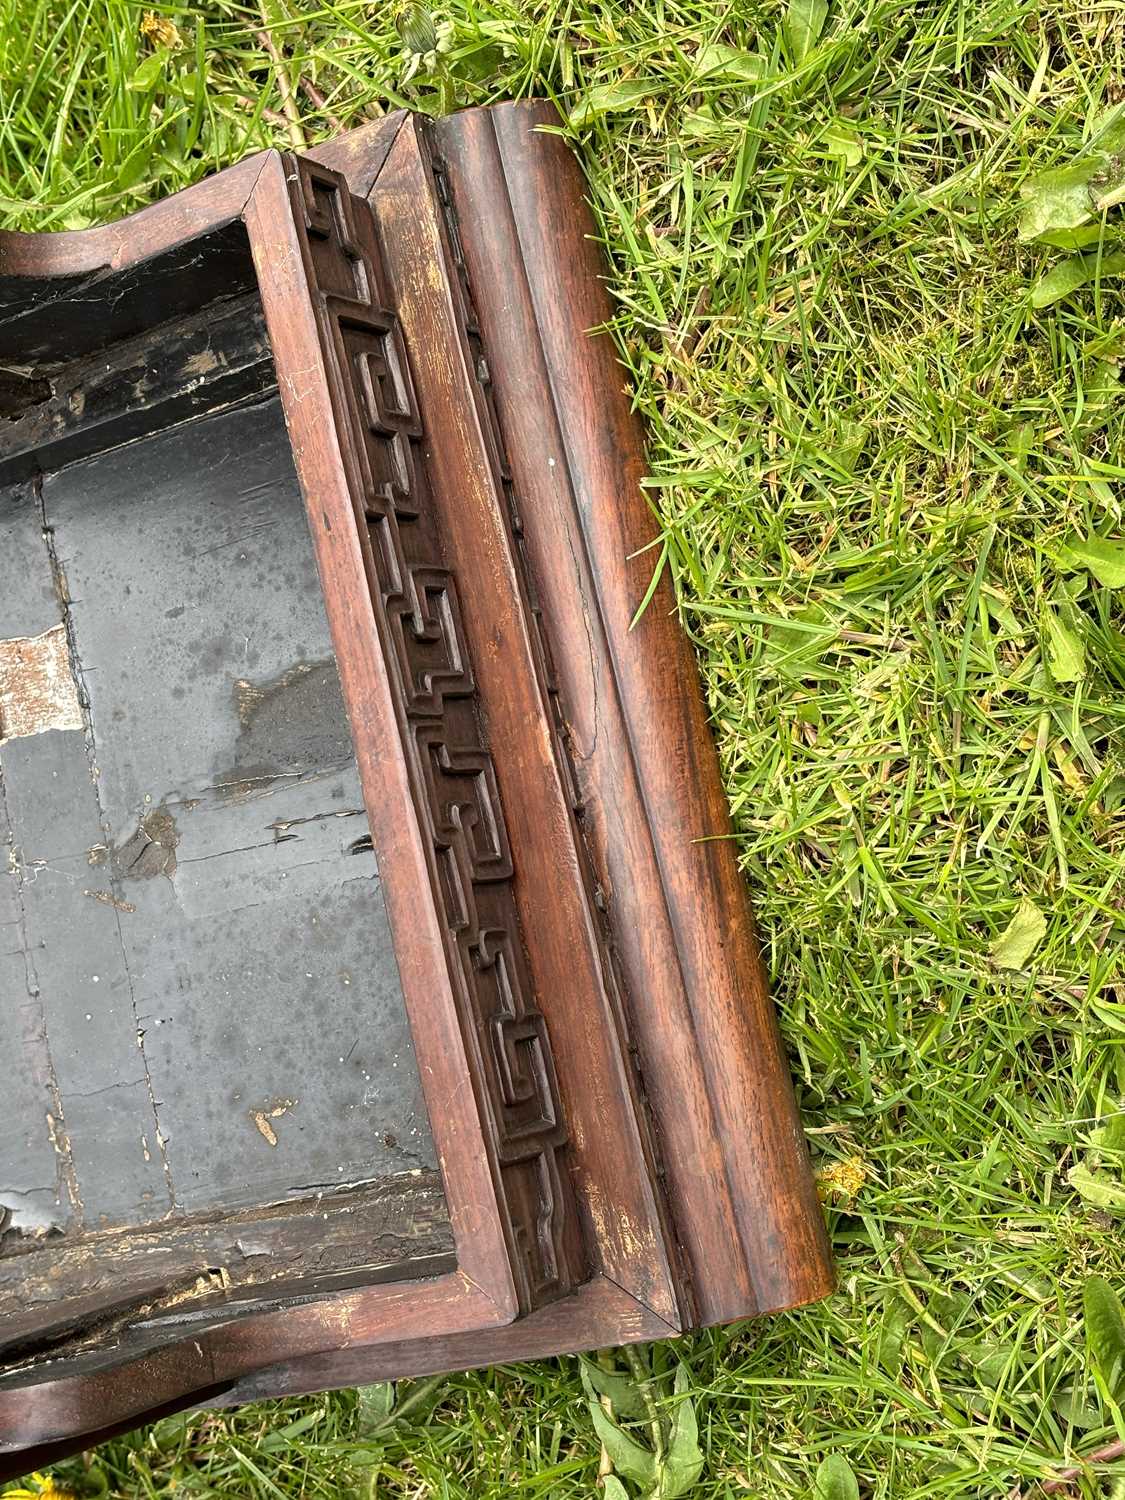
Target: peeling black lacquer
{"x": 114, "y": 902}
{"x": 57, "y": 320}
{"x": 208, "y": 1017}
{"x": 20, "y": 391}
{"x": 260, "y": 1253}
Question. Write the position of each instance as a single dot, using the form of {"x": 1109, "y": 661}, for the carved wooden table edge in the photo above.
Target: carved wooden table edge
{"x": 610, "y": 1101}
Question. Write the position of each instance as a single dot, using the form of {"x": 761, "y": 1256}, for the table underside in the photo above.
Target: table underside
{"x": 200, "y": 1007}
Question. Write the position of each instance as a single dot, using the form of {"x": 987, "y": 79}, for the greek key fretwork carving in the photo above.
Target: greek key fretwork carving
{"x": 328, "y": 213}
{"x": 464, "y": 802}
{"x": 426, "y": 621}
{"x": 457, "y": 795}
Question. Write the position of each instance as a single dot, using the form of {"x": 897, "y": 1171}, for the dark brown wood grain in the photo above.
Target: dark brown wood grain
{"x": 646, "y": 769}
{"x": 51, "y": 1402}
{"x": 582, "y": 1322}
{"x": 609, "y": 1099}
{"x": 568, "y": 961}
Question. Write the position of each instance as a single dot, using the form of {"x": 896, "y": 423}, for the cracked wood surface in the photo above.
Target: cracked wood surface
{"x": 656, "y": 819}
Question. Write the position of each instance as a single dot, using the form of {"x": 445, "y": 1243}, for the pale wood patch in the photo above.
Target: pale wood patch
{"x": 37, "y": 687}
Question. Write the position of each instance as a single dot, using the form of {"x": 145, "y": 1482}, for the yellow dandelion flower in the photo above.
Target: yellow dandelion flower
{"x": 45, "y": 1489}
{"x": 160, "y": 31}
{"x": 842, "y": 1180}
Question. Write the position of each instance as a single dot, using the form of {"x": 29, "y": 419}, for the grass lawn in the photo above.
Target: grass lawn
{"x": 887, "y": 461}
